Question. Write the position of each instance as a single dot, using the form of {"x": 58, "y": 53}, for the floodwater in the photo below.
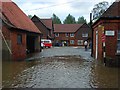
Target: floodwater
{"x": 65, "y": 71}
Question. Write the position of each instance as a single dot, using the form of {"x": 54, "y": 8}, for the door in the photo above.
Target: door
{"x": 96, "y": 55}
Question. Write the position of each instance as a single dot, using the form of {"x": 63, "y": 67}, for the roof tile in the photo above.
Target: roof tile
{"x": 17, "y": 17}
{"x": 66, "y": 28}
{"x": 47, "y": 23}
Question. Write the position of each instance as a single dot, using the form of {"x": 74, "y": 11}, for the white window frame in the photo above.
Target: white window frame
{"x": 72, "y": 42}
{"x": 56, "y": 34}
{"x": 67, "y": 34}
{"x": 72, "y": 34}
{"x": 84, "y": 34}
{"x": 118, "y": 40}
{"x": 80, "y": 42}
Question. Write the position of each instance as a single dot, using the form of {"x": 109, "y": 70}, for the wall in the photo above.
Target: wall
{"x": 18, "y": 50}
{"x": 5, "y": 51}
{"x": 78, "y": 35}
{"x": 45, "y": 32}
{"x": 111, "y": 41}
{"x": 84, "y": 29}
{"x": 37, "y": 44}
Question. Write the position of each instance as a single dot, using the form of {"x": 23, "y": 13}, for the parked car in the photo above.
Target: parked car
{"x": 46, "y": 43}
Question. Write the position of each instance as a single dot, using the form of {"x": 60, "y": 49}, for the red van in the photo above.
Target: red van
{"x": 46, "y": 43}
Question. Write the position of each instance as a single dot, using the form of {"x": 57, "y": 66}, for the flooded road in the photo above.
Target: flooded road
{"x": 66, "y": 67}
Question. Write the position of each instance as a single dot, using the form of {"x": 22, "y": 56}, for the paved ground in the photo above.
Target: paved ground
{"x": 63, "y": 51}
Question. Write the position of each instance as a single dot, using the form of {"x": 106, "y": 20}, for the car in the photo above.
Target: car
{"x": 46, "y": 43}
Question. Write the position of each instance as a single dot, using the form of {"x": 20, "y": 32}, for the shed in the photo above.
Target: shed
{"x": 106, "y": 38}
{"x": 19, "y": 33}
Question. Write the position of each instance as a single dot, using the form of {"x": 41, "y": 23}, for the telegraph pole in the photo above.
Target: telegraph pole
{"x": 92, "y": 34}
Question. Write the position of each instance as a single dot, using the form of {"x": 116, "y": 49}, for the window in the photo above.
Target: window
{"x": 67, "y": 34}
{"x": 72, "y": 35}
{"x": 19, "y": 39}
{"x": 71, "y": 41}
{"x": 118, "y": 43}
{"x": 80, "y": 42}
{"x": 85, "y": 35}
{"x": 56, "y": 34}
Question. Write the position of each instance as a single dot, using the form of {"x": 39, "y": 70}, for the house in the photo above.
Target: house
{"x": 71, "y": 34}
{"x": 45, "y": 26}
{"x": 106, "y": 38}
{"x": 19, "y": 34}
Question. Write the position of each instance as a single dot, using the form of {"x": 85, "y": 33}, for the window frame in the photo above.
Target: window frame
{"x": 118, "y": 40}
{"x": 73, "y": 42}
{"x": 19, "y": 38}
{"x": 80, "y": 41}
{"x": 67, "y": 34}
{"x": 85, "y": 35}
{"x": 72, "y": 34}
{"x": 56, "y": 34}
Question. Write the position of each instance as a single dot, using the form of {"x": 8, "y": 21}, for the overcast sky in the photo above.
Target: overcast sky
{"x": 46, "y": 8}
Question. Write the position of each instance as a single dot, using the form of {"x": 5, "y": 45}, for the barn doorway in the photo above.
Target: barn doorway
{"x": 30, "y": 44}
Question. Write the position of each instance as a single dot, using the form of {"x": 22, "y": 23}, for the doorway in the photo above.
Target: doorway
{"x": 30, "y": 44}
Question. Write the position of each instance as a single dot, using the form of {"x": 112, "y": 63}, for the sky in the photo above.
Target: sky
{"x": 46, "y": 8}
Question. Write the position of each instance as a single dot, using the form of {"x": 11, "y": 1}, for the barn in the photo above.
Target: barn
{"x": 19, "y": 34}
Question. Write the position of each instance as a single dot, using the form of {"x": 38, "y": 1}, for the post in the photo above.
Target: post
{"x": 103, "y": 41}
{"x": 92, "y": 34}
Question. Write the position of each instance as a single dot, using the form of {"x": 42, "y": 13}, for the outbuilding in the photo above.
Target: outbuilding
{"x": 106, "y": 38}
{"x": 19, "y": 34}
{"x": 45, "y": 26}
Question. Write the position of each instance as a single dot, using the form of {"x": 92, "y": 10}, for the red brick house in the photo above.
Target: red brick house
{"x": 45, "y": 26}
{"x": 71, "y": 34}
{"x": 18, "y": 33}
{"x": 106, "y": 41}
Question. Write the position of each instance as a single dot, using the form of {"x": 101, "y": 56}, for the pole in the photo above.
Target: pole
{"x": 91, "y": 33}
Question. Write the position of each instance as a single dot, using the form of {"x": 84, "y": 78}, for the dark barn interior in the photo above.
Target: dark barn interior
{"x": 30, "y": 44}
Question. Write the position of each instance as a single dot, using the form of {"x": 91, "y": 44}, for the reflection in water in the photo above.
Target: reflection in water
{"x": 104, "y": 77}
{"x": 58, "y": 72}
{"x": 11, "y": 69}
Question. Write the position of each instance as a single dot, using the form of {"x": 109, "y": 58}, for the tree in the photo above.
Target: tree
{"x": 56, "y": 19}
{"x": 99, "y": 9}
{"x": 81, "y": 20}
{"x": 30, "y": 16}
{"x": 69, "y": 20}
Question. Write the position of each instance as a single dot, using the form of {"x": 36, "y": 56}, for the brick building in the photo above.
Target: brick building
{"x": 45, "y": 26}
{"x": 106, "y": 30}
{"x": 18, "y": 33}
{"x": 71, "y": 34}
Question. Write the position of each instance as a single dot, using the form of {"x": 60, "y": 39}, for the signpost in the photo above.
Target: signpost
{"x": 103, "y": 41}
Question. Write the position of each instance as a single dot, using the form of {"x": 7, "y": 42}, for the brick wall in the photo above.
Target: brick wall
{"x": 45, "y": 32}
{"x": 78, "y": 35}
{"x": 5, "y": 51}
{"x": 18, "y": 50}
{"x": 111, "y": 41}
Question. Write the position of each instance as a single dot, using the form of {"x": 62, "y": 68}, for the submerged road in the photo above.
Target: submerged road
{"x": 60, "y": 67}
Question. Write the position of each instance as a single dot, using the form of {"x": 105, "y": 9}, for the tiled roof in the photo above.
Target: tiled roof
{"x": 47, "y": 23}
{"x": 113, "y": 10}
{"x": 17, "y": 17}
{"x": 69, "y": 28}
